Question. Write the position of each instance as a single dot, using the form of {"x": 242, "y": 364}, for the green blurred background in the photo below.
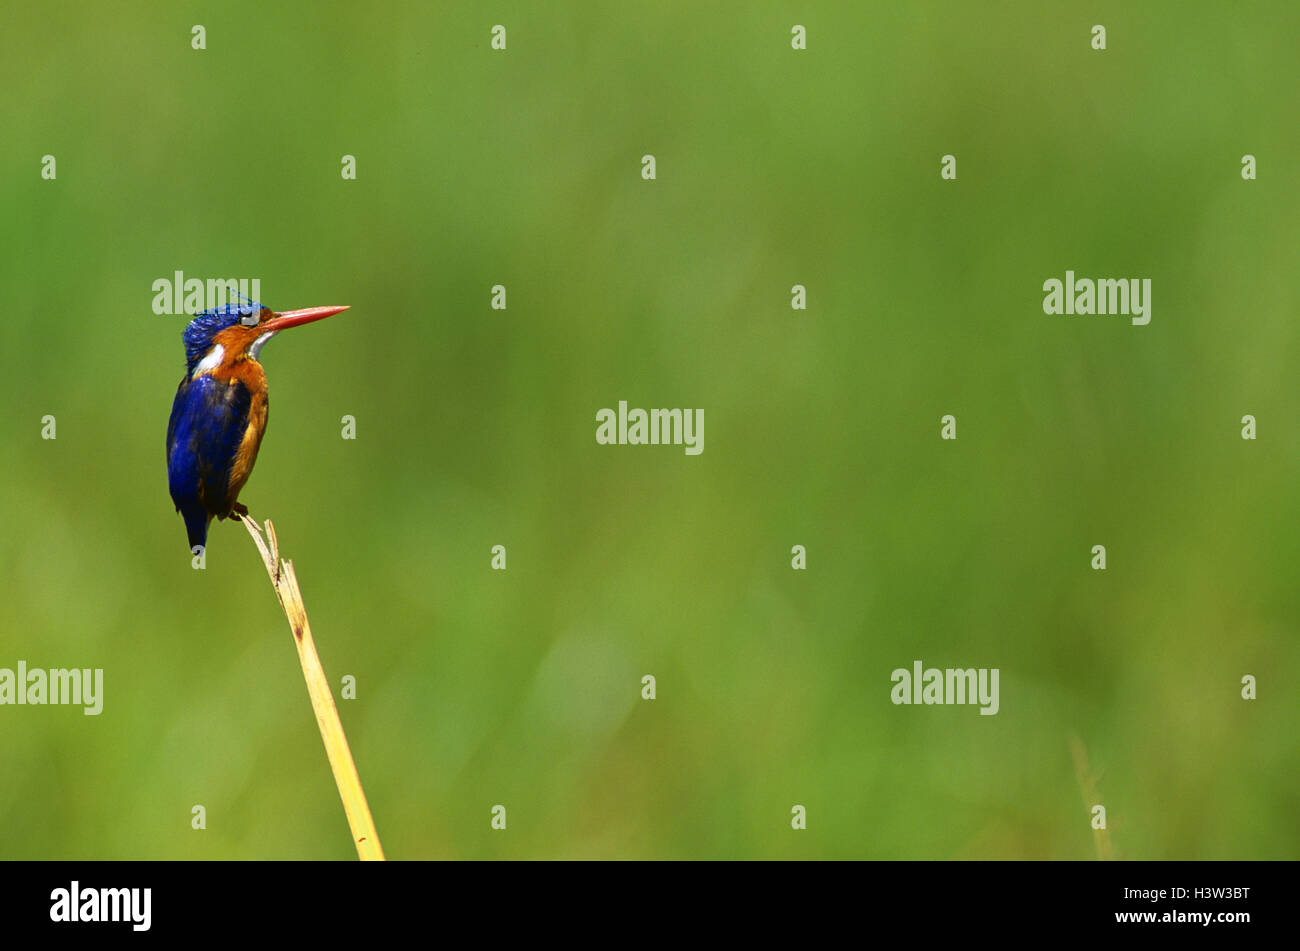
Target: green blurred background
{"x": 476, "y": 427}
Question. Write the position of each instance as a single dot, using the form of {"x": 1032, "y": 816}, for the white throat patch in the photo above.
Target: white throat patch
{"x": 211, "y": 361}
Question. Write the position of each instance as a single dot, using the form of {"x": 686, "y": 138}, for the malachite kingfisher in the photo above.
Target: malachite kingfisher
{"x": 220, "y": 411}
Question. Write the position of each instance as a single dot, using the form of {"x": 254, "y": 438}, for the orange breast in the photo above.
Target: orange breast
{"x": 246, "y": 455}
{"x": 238, "y": 367}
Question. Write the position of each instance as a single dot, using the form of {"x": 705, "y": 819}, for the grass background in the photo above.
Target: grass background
{"x": 476, "y": 427}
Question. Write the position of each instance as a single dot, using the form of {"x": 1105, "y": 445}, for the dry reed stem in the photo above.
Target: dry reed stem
{"x": 285, "y": 582}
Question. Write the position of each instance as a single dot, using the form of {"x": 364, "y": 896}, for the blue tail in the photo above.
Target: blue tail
{"x": 196, "y": 524}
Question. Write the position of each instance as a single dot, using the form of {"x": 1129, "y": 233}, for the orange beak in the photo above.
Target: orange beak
{"x": 296, "y": 318}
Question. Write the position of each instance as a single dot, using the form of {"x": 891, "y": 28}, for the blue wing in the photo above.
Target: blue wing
{"x": 207, "y": 425}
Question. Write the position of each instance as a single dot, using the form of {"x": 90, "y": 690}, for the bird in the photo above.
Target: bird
{"x": 220, "y": 411}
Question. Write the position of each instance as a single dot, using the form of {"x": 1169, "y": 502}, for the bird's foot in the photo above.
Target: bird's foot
{"x": 239, "y": 510}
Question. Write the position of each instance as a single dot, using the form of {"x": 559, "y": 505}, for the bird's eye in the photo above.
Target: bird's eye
{"x": 249, "y": 320}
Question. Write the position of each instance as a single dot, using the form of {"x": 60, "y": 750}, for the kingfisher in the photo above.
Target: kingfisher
{"x": 220, "y": 411}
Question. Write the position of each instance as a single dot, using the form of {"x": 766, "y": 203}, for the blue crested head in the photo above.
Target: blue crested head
{"x": 198, "y": 333}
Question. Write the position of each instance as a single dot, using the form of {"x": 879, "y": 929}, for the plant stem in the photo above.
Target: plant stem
{"x": 285, "y": 582}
